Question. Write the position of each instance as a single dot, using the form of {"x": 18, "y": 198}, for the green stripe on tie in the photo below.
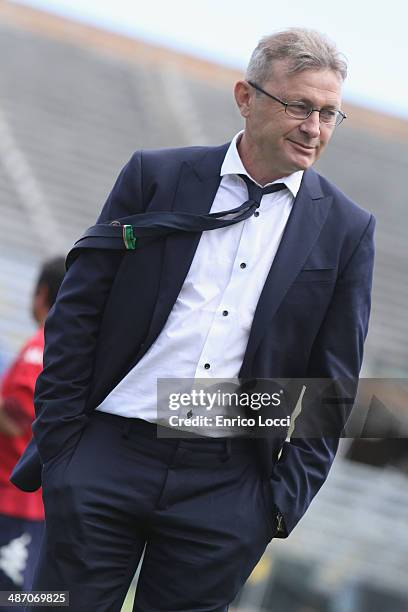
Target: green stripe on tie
{"x": 128, "y": 237}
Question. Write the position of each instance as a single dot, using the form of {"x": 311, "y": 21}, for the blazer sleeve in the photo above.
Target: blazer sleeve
{"x": 337, "y": 354}
{"x": 72, "y": 327}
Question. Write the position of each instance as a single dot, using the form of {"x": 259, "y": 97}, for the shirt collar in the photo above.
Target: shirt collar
{"x": 232, "y": 164}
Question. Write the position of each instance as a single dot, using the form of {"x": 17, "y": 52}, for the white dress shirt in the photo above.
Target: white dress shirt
{"x": 206, "y": 333}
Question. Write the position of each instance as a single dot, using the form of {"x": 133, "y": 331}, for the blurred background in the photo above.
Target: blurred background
{"x": 83, "y": 84}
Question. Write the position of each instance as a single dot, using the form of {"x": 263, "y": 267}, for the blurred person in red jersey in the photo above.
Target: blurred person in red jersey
{"x": 22, "y": 514}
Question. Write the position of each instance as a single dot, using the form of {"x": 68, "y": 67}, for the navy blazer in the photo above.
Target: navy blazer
{"x": 310, "y": 322}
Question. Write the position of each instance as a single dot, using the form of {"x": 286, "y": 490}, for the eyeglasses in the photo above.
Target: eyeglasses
{"x": 300, "y": 110}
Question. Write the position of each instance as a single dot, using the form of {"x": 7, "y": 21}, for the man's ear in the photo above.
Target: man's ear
{"x": 43, "y": 295}
{"x": 40, "y": 303}
{"x": 243, "y": 97}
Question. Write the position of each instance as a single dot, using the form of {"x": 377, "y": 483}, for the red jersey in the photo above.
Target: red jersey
{"x": 17, "y": 392}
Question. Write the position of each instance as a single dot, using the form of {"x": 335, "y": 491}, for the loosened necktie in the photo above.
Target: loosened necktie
{"x": 120, "y": 235}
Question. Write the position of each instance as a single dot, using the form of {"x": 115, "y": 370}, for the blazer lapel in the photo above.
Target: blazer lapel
{"x": 197, "y": 187}
{"x": 309, "y": 212}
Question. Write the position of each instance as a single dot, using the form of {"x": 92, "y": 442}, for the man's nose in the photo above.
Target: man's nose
{"x": 311, "y": 125}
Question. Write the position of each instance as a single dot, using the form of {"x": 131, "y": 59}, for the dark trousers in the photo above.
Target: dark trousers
{"x": 199, "y": 506}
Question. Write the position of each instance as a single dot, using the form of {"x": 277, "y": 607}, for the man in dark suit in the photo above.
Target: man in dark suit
{"x": 282, "y": 291}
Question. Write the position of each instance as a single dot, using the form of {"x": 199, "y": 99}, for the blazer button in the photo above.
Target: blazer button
{"x": 207, "y": 366}
{"x": 242, "y": 265}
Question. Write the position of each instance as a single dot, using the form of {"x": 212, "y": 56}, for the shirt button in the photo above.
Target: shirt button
{"x": 207, "y": 366}
{"x": 225, "y": 313}
{"x": 242, "y": 265}
{"x": 256, "y": 214}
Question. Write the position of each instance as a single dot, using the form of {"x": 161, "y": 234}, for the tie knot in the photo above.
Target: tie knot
{"x": 255, "y": 192}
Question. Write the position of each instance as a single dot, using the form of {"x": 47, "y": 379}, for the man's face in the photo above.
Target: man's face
{"x": 288, "y": 144}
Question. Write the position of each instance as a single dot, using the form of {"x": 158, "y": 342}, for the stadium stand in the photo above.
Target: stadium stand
{"x": 343, "y": 556}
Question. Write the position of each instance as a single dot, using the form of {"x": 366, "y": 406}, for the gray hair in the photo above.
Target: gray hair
{"x": 304, "y": 49}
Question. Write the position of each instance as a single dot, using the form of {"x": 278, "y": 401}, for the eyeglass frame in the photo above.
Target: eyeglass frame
{"x": 286, "y": 104}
